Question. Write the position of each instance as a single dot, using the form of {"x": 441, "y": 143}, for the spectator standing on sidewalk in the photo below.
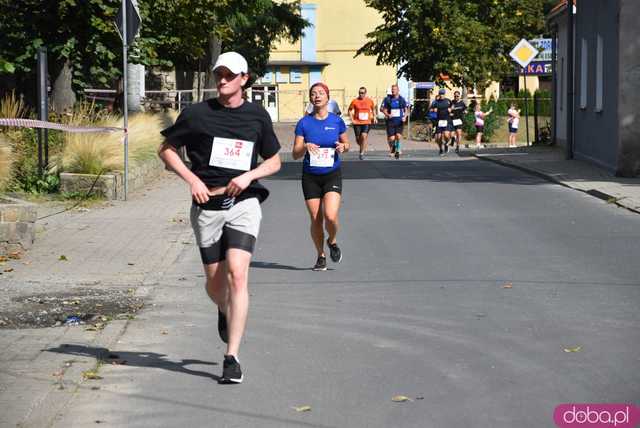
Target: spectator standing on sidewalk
{"x": 514, "y": 122}
{"x": 480, "y": 116}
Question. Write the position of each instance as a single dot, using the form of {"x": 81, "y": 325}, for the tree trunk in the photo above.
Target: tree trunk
{"x": 184, "y": 81}
{"x": 63, "y": 98}
{"x": 215, "y": 48}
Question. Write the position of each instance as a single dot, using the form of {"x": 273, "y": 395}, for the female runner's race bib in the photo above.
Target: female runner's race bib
{"x": 395, "y": 112}
{"x": 231, "y": 153}
{"x": 324, "y": 158}
{"x": 363, "y": 115}
{"x": 443, "y": 123}
{"x": 457, "y": 122}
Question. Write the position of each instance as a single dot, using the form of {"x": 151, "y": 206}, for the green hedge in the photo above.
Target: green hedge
{"x": 545, "y": 105}
{"x": 491, "y": 122}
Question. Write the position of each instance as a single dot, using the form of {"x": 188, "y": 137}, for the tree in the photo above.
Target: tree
{"x": 80, "y": 38}
{"x": 85, "y": 49}
{"x": 468, "y": 41}
{"x": 186, "y": 34}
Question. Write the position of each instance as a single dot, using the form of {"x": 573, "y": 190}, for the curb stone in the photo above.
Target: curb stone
{"x": 545, "y": 176}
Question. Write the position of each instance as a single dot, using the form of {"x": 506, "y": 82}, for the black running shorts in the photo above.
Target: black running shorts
{"x": 359, "y": 129}
{"x": 316, "y": 186}
{"x": 394, "y": 128}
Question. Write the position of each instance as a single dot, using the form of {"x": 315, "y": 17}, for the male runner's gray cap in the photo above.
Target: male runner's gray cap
{"x": 233, "y": 61}
{"x": 440, "y": 92}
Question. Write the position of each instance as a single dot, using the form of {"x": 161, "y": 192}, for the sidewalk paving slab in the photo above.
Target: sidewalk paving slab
{"x": 550, "y": 162}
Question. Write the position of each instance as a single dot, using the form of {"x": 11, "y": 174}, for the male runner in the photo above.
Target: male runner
{"x": 458, "y": 110}
{"x": 362, "y": 113}
{"x": 224, "y": 137}
{"x": 442, "y": 106}
{"x": 395, "y": 110}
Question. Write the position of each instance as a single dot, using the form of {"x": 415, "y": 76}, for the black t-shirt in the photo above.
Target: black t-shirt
{"x": 232, "y": 128}
{"x": 458, "y": 109}
{"x": 442, "y": 105}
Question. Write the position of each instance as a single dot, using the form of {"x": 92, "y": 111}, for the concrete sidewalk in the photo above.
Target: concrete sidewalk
{"x": 550, "y": 163}
{"x": 112, "y": 250}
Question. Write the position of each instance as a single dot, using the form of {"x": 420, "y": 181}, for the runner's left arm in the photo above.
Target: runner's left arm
{"x": 268, "y": 167}
{"x": 406, "y": 111}
{"x": 374, "y": 115}
{"x": 343, "y": 143}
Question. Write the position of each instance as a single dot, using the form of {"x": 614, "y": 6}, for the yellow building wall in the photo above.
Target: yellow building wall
{"x": 292, "y": 96}
{"x": 533, "y": 83}
{"x": 341, "y": 28}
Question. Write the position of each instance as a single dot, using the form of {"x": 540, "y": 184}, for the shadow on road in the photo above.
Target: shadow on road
{"x": 458, "y": 169}
{"x": 275, "y": 265}
{"x": 135, "y": 359}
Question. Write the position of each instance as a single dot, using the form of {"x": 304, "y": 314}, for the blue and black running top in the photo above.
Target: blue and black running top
{"x": 442, "y": 105}
{"x": 396, "y": 107}
{"x": 324, "y": 133}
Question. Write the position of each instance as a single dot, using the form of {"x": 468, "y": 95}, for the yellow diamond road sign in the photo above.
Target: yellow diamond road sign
{"x": 523, "y": 53}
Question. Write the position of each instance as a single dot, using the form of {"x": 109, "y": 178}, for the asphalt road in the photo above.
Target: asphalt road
{"x": 463, "y": 286}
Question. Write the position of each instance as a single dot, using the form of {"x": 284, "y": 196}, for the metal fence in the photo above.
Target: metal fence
{"x": 289, "y": 106}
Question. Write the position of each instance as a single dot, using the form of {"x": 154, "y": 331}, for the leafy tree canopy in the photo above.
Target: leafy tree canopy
{"x": 469, "y": 41}
{"x": 174, "y": 33}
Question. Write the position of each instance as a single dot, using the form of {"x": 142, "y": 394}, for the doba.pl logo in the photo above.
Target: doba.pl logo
{"x": 596, "y": 415}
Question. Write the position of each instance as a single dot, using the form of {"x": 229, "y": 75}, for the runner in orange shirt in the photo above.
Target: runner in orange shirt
{"x": 362, "y": 112}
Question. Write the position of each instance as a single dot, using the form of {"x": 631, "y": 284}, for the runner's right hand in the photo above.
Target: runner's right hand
{"x": 312, "y": 148}
{"x": 199, "y": 191}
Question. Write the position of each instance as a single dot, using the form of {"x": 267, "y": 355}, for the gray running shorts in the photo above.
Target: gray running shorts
{"x": 218, "y": 230}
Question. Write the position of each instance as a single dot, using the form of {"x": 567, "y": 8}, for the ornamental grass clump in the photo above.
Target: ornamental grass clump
{"x": 6, "y": 161}
{"x": 96, "y": 153}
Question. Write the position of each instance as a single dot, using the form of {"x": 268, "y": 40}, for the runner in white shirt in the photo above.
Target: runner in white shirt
{"x": 514, "y": 122}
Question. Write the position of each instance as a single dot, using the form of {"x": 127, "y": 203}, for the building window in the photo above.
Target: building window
{"x": 599, "y": 74}
{"x": 267, "y": 78}
{"x": 295, "y": 75}
{"x": 282, "y": 77}
{"x": 583, "y": 73}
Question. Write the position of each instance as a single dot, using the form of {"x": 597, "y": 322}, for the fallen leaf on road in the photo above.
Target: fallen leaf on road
{"x": 400, "y": 398}
{"x": 508, "y": 285}
{"x": 131, "y": 264}
{"x": 420, "y": 398}
{"x": 9, "y": 270}
{"x": 91, "y": 328}
{"x": 3, "y": 259}
{"x": 302, "y": 408}
{"x": 26, "y": 263}
{"x": 91, "y": 375}
{"x": 63, "y": 258}
{"x": 15, "y": 255}
{"x": 164, "y": 332}
{"x": 576, "y": 349}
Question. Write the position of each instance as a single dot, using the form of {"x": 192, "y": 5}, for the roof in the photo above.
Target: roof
{"x": 558, "y": 9}
{"x": 297, "y": 63}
